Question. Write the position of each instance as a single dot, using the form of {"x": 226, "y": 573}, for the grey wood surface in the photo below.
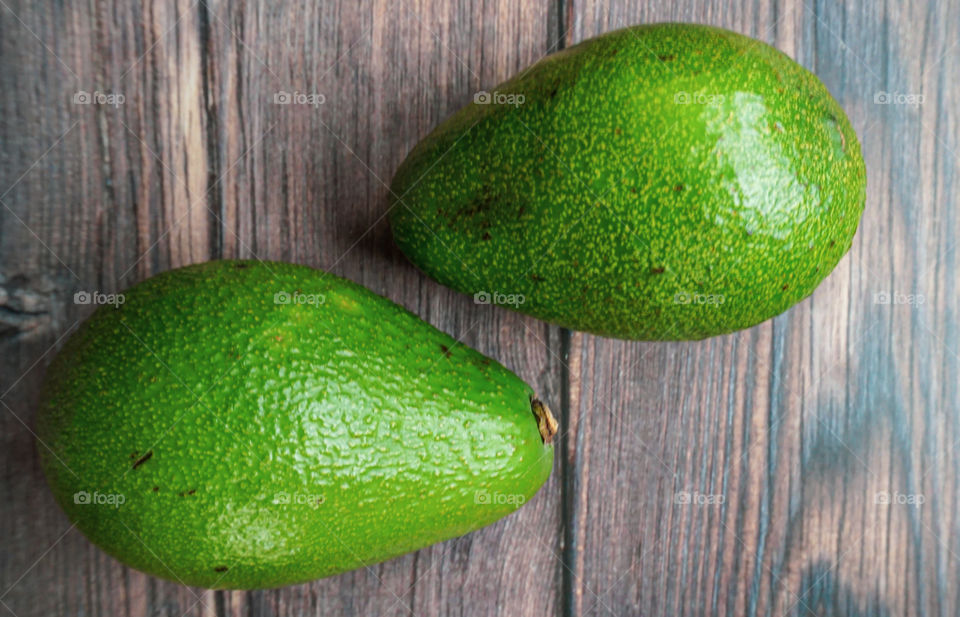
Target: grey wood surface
{"x": 742, "y": 475}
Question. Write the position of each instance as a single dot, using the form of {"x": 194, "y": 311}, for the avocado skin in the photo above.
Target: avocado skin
{"x": 203, "y": 403}
{"x": 616, "y": 208}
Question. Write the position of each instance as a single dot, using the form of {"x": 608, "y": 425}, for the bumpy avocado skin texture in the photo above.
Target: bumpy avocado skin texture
{"x": 258, "y": 444}
{"x": 662, "y": 182}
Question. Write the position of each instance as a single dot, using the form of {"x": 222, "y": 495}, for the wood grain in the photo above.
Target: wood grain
{"x": 739, "y": 475}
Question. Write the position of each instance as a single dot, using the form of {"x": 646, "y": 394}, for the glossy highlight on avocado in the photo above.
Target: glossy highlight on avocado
{"x": 661, "y": 182}
{"x": 244, "y": 424}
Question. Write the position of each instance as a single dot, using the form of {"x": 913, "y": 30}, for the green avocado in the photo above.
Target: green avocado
{"x": 244, "y": 424}
{"x": 661, "y": 182}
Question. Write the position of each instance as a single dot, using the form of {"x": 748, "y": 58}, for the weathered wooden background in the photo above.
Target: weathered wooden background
{"x": 741, "y": 475}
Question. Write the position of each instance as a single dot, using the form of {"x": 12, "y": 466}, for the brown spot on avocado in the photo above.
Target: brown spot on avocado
{"x": 143, "y": 459}
{"x": 479, "y": 204}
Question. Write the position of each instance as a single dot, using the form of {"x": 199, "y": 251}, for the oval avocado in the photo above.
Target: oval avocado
{"x": 661, "y": 182}
{"x": 244, "y": 424}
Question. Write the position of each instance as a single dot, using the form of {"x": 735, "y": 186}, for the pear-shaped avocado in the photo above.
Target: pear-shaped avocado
{"x": 662, "y": 182}
{"x": 241, "y": 424}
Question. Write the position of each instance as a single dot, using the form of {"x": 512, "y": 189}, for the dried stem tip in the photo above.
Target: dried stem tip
{"x": 546, "y": 423}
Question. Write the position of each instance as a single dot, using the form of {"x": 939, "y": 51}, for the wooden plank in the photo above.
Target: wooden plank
{"x": 391, "y": 76}
{"x": 86, "y": 187}
{"x": 802, "y": 426}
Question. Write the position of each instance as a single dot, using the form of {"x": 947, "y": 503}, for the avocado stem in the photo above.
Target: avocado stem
{"x": 546, "y": 423}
